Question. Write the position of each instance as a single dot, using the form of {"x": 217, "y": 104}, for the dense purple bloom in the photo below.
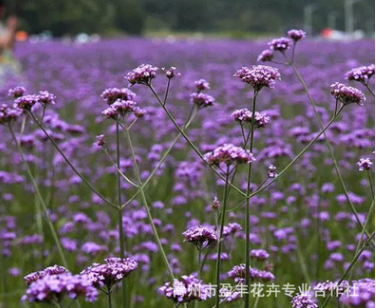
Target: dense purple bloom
{"x": 202, "y": 237}
{"x": 245, "y": 116}
{"x": 185, "y": 290}
{"x": 364, "y": 164}
{"x": 362, "y": 294}
{"x": 304, "y": 300}
{"x": 111, "y": 272}
{"x": 171, "y": 72}
{"x": 361, "y": 74}
{"x": 17, "y": 92}
{"x": 46, "y": 98}
{"x": 202, "y": 100}
{"x": 272, "y": 172}
{"x": 346, "y": 95}
{"x": 51, "y": 270}
{"x": 100, "y": 140}
{"x": 8, "y": 114}
{"x": 202, "y": 85}
{"x": 259, "y": 254}
{"x": 229, "y": 154}
{"x": 280, "y": 44}
{"x": 259, "y": 76}
{"x": 52, "y": 288}
{"x": 296, "y": 35}
{"x": 26, "y": 102}
{"x": 111, "y": 95}
{"x": 142, "y": 74}
{"x": 238, "y": 273}
{"x": 266, "y": 55}
{"x": 119, "y": 108}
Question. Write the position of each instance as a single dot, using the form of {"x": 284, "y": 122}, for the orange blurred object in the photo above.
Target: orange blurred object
{"x": 327, "y": 32}
{"x": 21, "y": 36}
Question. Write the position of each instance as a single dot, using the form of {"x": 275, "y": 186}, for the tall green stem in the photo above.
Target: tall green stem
{"x": 220, "y": 239}
{"x": 120, "y": 217}
{"x": 248, "y": 205}
{"x": 44, "y": 207}
{"x": 88, "y": 184}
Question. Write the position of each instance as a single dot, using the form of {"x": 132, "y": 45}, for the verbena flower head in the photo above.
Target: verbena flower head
{"x": 362, "y": 294}
{"x": 185, "y": 290}
{"x": 364, "y": 164}
{"x": 361, "y": 74}
{"x": 119, "y": 108}
{"x": 280, "y": 44}
{"x": 9, "y": 114}
{"x": 259, "y": 76}
{"x": 111, "y": 95}
{"x": 259, "y": 254}
{"x": 202, "y": 85}
{"x": 51, "y": 270}
{"x": 304, "y": 300}
{"x": 272, "y": 172}
{"x": 53, "y": 288}
{"x": 111, "y": 272}
{"x": 238, "y": 273}
{"x": 26, "y": 102}
{"x": 142, "y": 74}
{"x": 266, "y": 55}
{"x": 296, "y": 35}
{"x": 202, "y": 100}
{"x": 347, "y": 95}
{"x": 229, "y": 154}
{"x": 202, "y": 237}
{"x": 245, "y": 116}
{"x": 16, "y": 92}
{"x": 100, "y": 140}
{"x": 46, "y": 98}
{"x": 171, "y": 72}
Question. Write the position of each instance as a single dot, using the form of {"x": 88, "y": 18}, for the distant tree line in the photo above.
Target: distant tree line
{"x": 136, "y": 16}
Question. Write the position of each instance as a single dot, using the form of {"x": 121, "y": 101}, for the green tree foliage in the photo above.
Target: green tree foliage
{"x": 134, "y": 16}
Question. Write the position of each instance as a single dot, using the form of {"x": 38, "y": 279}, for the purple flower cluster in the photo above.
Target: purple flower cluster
{"x": 111, "y": 95}
{"x": 296, "y": 35}
{"x": 266, "y": 56}
{"x": 51, "y": 270}
{"x": 171, "y": 72}
{"x": 304, "y": 300}
{"x": 361, "y": 74}
{"x": 16, "y": 92}
{"x": 202, "y": 85}
{"x": 142, "y": 74}
{"x": 272, "y": 172}
{"x": 185, "y": 290}
{"x": 119, "y": 108}
{"x": 111, "y": 272}
{"x": 8, "y": 114}
{"x": 362, "y": 294}
{"x": 259, "y": 254}
{"x": 202, "y": 100}
{"x": 26, "y": 102}
{"x": 245, "y": 116}
{"x": 52, "y": 288}
{"x": 346, "y": 95}
{"x": 280, "y": 44}
{"x": 46, "y": 98}
{"x": 202, "y": 237}
{"x": 228, "y": 154}
{"x": 259, "y": 76}
{"x": 364, "y": 164}
{"x": 238, "y": 273}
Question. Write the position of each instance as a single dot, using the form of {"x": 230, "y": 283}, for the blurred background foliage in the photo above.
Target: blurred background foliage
{"x": 111, "y": 17}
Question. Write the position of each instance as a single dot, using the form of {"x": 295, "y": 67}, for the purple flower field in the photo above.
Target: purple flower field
{"x": 149, "y": 172}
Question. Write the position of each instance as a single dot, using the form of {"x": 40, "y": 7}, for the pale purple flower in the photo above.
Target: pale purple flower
{"x": 202, "y": 85}
{"x": 361, "y": 74}
{"x": 280, "y": 44}
{"x": 100, "y": 140}
{"x": 171, "y": 72}
{"x": 51, "y": 270}
{"x": 202, "y": 237}
{"x": 266, "y": 55}
{"x": 304, "y": 300}
{"x": 259, "y": 254}
{"x": 8, "y": 114}
{"x": 26, "y": 102}
{"x": 296, "y": 35}
{"x": 46, "y": 98}
{"x": 259, "y": 76}
{"x": 364, "y": 164}
{"x": 238, "y": 274}
{"x": 272, "y": 172}
{"x": 229, "y": 154}
{"x": 111, "y": 272}
{"x": 202, "y": 100}
{"x": 245, "y": 116}
{"x": 185, "y": 290}
{"x": 17, "y": 92}
{"x": 142, "y": 74}
{"x": 111, "y": 95}
{"x": 347, "y": 95}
